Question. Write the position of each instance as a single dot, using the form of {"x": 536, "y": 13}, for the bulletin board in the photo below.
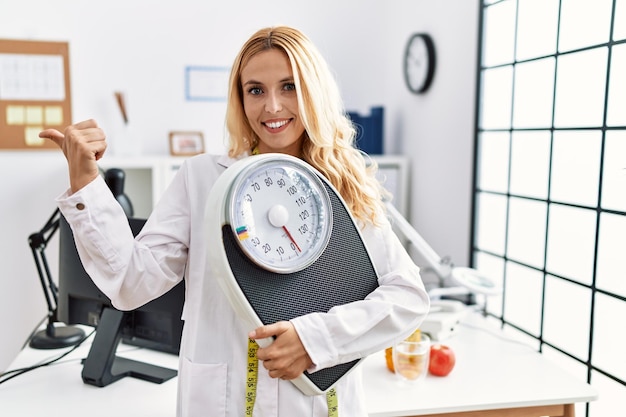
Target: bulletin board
{"x": 34, "y": 92}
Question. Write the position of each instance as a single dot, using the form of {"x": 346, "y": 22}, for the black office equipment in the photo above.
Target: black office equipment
{"x": 156, "y": 325}
{"x": 114, "y": 178}
{"x": 370, "y": 130}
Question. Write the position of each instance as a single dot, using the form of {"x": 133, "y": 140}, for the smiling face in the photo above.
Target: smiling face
{"x": 271, "y": 104}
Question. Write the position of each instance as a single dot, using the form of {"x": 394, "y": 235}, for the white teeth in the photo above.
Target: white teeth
{"x": 276, "y": 125}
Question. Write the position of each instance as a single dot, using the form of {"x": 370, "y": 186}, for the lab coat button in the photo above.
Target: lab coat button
{"x": 80, "y": 206}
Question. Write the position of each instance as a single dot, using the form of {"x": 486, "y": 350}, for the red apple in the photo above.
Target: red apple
{"x": 442, "y": 360}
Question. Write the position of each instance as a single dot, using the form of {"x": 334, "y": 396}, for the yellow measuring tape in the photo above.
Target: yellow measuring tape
{"x": 252, "y": 376}
{"x": 253, "y": 369}
{"x": 331, "y": 400}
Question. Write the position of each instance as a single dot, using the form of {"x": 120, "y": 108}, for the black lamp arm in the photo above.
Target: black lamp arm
{"x": 38, "y": 242}
{"x": 52, "y": 337}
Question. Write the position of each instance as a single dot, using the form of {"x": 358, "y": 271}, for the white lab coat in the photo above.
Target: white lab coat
{"x": 213, "y": 356}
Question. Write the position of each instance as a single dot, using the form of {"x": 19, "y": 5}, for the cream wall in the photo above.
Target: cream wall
{"x": 142, "y": 48}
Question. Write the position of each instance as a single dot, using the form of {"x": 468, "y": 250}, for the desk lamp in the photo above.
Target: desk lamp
{"x": 467, "y": 280}
{"x": 53, "y": 337}
{"x": 444, "y": 315}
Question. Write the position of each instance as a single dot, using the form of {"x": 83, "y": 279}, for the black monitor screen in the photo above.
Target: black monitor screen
{"x": 156, "y": 325}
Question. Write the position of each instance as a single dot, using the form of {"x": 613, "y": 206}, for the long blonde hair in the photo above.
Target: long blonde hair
{"x": 329, "y": 145}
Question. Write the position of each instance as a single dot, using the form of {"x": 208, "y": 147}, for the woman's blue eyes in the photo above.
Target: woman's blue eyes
{"x": 255, "y": 91}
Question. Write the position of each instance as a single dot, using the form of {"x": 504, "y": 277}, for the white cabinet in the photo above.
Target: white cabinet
{"x": 146, "y": 178}
{"x": 394, "y": 172}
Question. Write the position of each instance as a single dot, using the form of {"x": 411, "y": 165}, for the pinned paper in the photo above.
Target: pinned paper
{"x": 53, "y": 115}
{"x": 32, "y": 77}
{"x": 34, "y": 115}
{"x": 31, "y": 136}
{"x": 16, "y": 115}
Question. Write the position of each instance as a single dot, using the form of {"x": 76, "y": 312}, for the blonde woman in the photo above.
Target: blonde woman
{"x": 282, "y": 98}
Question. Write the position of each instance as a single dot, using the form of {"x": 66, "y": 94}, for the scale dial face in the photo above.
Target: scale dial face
{"x": 280, "y": 213}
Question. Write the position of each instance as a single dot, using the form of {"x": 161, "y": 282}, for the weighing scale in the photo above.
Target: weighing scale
{"x": 286, "y": 245}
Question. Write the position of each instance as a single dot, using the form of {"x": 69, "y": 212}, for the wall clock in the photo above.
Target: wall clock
{"x": 419, "y": 63}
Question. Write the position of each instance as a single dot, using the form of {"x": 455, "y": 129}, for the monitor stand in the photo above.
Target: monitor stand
{"x": 102, "y": 367}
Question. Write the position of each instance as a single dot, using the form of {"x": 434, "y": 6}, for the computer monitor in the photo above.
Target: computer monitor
{"x": 156, "y": 325}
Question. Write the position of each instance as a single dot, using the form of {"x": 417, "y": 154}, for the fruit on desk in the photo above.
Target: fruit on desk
{"x": 415, "y": 336}
{"x": 389, "y": 359}
{"x": 442, "y": 360}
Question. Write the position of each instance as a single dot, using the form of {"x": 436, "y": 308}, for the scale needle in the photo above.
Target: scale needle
{"x": 291, "y": 238}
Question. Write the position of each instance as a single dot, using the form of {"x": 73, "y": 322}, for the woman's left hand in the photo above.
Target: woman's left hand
{"x": 286, "y": 357}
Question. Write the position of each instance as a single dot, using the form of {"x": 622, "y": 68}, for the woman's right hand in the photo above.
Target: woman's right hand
{"x": 83, "y": 144}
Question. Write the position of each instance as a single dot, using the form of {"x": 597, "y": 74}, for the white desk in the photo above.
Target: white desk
{"x": 491, "y": 373}
{"x": 493, "y": 377}
{"x": 58, "y": 390}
